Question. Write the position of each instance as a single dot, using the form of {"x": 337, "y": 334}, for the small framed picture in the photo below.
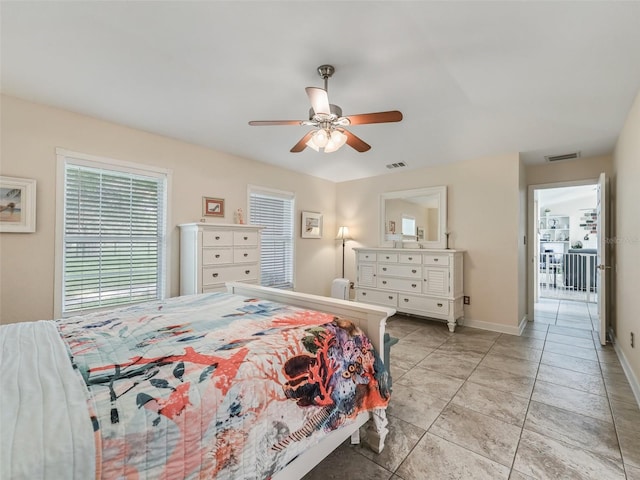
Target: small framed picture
{"x": 17, "y": 205}
{"x": 212, "y": 207}
{"x": 392, "y": 226}
{"x": 311, "y": 225}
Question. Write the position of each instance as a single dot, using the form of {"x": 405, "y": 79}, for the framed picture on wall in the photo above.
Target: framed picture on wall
{"x": 17, "y": 205}
{"x": 212, "y": 207}
{"x": 311, "y": 226}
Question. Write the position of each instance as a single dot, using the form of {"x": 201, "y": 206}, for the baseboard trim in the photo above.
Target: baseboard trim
{"x": 496, "y": 327}
{"x": 633, "y": 381}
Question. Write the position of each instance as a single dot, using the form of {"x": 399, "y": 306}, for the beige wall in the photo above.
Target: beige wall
{"x": 483, "y": 217}
{"x": 30, "y": 134}
{"x": 568, "y": 170}
{"x": 626, "y": 244}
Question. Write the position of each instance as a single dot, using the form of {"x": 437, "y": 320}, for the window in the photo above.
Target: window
{"x": 112, "y": 233}
{"x": 408, "y": 225}
{"x": 274, "y": 210}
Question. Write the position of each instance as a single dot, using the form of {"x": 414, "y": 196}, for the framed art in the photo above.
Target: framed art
{"x": 311, "y": 225}
{"x": 212, "y": 207}
{"x": 17, "y": 205}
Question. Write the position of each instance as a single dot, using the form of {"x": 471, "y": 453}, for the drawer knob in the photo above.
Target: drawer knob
{"x": 214, "y": 275}
{"x": 217, "y": 255}
{"x": 439, "y": 304}
{"x": 246, "y": 238}
{"x": 436, "y": 259}
{"x": 364, "y": 294}
{"x": 387, "y": 258}
{"x": 247, "y": 272}
{"x": 246, "y": 254}
{"x": 414, "y": 271}
{"x": 414, "y": 285}
{"x": 410, "y": 258}
{"x": 390, "y": 297}
{"x": 384, "y": 282}
{"x": 406, "y": 299}
{"x": 217, "y": 237}
{"x": 384, "y": 269}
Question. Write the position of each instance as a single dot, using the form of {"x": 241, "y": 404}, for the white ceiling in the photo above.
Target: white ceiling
{"x": 472, "y": 78}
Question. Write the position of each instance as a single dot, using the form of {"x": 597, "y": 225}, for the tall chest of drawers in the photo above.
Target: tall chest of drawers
{"x": 212, "y": 254}
{"x": 417, "y": 281}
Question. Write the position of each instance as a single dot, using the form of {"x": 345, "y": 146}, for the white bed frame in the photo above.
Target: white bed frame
{"x": 372, "y": 321}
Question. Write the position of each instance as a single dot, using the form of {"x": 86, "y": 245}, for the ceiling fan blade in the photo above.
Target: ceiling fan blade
{"x": 319, "y": 100}
{"x": 356, "y": 142}
{"x": 379, "y": 117}
{"x": 263, "y": 123}
{"x": 302, "y": 144}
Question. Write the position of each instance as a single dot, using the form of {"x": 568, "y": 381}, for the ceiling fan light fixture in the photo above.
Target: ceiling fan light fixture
{"x": 310, "y": 144}
{"x": 320, "y": 138}
{"x": 336, "y": 140}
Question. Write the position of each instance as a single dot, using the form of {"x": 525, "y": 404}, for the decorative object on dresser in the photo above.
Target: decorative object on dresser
{"x": 422, "y": 282}
{"x": 212, "y": 254}
{"x": 213, "y": 207}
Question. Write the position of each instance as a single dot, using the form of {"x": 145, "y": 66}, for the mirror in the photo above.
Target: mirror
{"x": 414, "y": 218}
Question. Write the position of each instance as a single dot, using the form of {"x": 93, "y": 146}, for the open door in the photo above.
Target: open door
{"x": 601, "y": 260}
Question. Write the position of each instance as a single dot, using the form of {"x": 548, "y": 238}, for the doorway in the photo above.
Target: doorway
{"x": 563, "y": 280}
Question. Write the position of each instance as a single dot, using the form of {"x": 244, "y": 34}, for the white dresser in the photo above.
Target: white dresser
{"x": 212, "y": 254}
{"x": 417, "y": 281}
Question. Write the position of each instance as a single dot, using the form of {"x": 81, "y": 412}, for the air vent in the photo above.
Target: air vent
{"x": 397, "y": 165}
{"x": 559, "y": 158}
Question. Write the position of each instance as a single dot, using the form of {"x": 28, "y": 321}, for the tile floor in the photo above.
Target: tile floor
{"x": 550, "y": 404}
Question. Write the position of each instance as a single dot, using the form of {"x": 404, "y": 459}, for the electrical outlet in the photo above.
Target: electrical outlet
{"x": 466, "y": 300}
{"x": 632, "y": 341}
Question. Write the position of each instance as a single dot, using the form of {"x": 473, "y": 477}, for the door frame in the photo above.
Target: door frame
{"x": 532, "y": 247}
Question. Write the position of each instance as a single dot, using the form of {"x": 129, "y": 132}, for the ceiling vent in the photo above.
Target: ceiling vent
{"x": 397, "y": 165}
{"x": 559, "y": 158}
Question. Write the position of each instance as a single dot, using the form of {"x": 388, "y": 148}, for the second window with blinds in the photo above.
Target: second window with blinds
{"x": 273, "y": 209}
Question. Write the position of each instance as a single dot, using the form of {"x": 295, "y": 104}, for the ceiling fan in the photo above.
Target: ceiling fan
{"x": 329, "y": 132}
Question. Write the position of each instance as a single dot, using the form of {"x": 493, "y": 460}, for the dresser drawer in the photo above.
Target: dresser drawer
{"x": 245, "y": 255}
{"x": 388, "y": 257}
{"x": 435, "y": 260}
{"x": 422, "y": 304}
{"x": 239, "y": 273}
{"x": 212, "y": 239}
{"x": 409, "y": 258}
{"x": 401, "y": 284}
{"x": 367, "y": 257}
{"x": 245, "y": 238}
{"x": 409, "y": 271}
{"x": 389, "y": 299}
{"x": 217, "y": 256}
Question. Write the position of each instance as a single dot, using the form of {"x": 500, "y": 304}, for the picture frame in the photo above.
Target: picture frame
{"x": 311, "y": 225}
{"x": 17, "y": 205}
{"x": 212, "y": 207}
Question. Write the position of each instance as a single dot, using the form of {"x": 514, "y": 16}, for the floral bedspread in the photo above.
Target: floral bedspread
{"x": 218, "y": 385}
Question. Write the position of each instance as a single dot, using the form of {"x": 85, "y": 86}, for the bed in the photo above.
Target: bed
{"x": 252, "y": 383}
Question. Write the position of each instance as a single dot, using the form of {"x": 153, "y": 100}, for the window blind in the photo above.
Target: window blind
{"x": 113, "y": 241}
{"x": 274, "y": 211}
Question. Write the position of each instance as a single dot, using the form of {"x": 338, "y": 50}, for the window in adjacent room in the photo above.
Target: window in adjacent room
{"x": 273, "y": 209}
{"x": 111, "y": 233}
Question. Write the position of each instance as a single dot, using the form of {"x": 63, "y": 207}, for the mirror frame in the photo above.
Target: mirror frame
{"x": 441, "y": 191}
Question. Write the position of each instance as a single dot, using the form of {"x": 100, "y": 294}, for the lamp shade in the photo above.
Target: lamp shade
{"x": 343, "y": 234}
